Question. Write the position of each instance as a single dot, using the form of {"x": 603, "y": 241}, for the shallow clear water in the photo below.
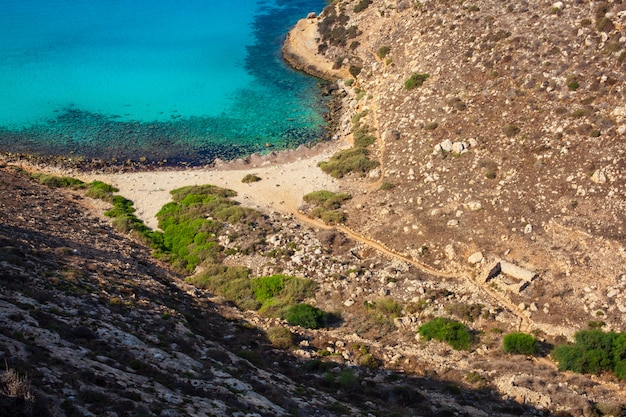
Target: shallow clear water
{"x": 179, "y": 80}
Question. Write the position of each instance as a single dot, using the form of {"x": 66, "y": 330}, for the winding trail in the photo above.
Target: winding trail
{"x": 525, "y": 323}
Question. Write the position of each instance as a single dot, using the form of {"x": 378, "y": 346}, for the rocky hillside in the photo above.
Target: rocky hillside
{"x": 496, "y": 198}
{"x": 501, "y": 135}
{"x": 91, "y": 324}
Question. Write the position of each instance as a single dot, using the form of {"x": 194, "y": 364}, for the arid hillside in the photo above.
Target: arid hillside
{"x": 501, "y": 133}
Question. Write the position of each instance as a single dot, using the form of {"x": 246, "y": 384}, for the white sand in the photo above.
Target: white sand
{"x": 281, "y": 188}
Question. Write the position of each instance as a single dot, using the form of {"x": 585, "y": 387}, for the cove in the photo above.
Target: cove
{"x": 176, "y": 81}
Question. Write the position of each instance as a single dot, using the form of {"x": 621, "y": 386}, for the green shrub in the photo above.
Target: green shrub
{"x": 354, "y": 70}
{"x": 510, "y": 130}
{"x": 385, "y": 186}
{"x": 573, "y": 85}
{"x": 191, "y": 222}
{"x": 267, "y": 287}
{"x": 362, "y": 138}
{"x": 362, "y": 5}
{"x": 348, "y": 160}
{"x": 329, "y": 216}
{"x": 327, "y": 199}
{"x": 368, "y": 361}
{"x": 101, "y": 191}
{"x": 388, "y": 307}
{"x": 416, "y": 80}
{"x": 277, "y": 293}
{"x": 230, "y": 282}
{"x": 280, "y": 337}
{"x": 328, "y": 205}
{"x": 54, "y": 181}
{"x": 520, "y": 343}
{"x": 305, "y": 315}
{"x": 445, "y": 330}
{"x": 383, "y": 51}
{"x": 250, "y": 178}
{"x": 431, "y": 126}
{"x": 594, "y": 351}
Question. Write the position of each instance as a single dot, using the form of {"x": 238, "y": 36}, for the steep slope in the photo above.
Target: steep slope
{"x": 514, "y": 145}
{"x": 95, "y": 326}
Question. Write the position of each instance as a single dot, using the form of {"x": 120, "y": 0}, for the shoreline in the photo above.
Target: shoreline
{"x": 286, "y": 175}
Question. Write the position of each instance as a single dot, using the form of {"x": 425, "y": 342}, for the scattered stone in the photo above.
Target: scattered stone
{"x": 475, "y": 258}
{"x": 598, "y": 177}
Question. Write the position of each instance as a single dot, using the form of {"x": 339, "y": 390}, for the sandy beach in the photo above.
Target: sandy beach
{"x": 285, "y": 178}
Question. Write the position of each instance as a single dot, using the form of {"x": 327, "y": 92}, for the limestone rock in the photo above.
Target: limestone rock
{"x": 475, "y": 258}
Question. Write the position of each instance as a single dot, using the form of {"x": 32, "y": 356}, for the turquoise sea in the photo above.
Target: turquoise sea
{"x": 175, "y": 80}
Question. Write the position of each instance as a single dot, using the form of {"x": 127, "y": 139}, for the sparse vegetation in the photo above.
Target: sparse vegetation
{"x": 305, "y": 315}
{"x": 249, "y": 178}
{"x": 18, "y": 398}
{"x": 55, "y": 181}
{"x": 362, "y": 5}
{"x": 280, "y": 337}
{"x": 510, "y": 130}
{"x": 383, "y": 51}
{"x": 349, "y": 160}
{"x": 449, "y": 331}
{"x": 386, "y": 186}
{"x": 519, "y": 343}
{"x": 354, "y": 70}
{"x": 327, "y": 205}
{"x": 416, "y": 80}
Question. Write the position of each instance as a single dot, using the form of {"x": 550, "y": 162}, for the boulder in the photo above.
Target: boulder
{"x": 475, "y": 258}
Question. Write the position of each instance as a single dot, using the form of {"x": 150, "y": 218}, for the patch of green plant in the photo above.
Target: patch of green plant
{"x": 349, "y": 82}
{"x": 604, "y": 24}
{"x": 573, "y": 85}
{"x": 328, "y": 205}
{"x": 347, "y": 161}
{"x": 383, "y": 51}
{"x": 230, "y": 282}
{"x": 305, "y": 315}
{"x": 431, "y": 126}
{"x": 416, "y": 80}
{"x": 582, "y": 112}
{"x": 280, "y": 337}
{"x": 356, "y": 118}
{"x": 354, "y": 70}
{"x": 54, "y": 181}
{"x": 249, "y": 178}
{"x": 520, "y": 344}
{"x": 329, "y": 216}
{"x": 362, "y": 5}
{"x": 338, "y": 407}
{"x": 386, "y": 306}
{"x": 191, "y": 222}
{"x": 386, "y": 186}
{"x": 362, "y": 136}
{"x": 277, "y": 293}
{"x": 125, "y": 221}
{"x": 510, "y": 129}
{"x": 449, "y": 331}
{"x": 594, "y": 351}
{"x": 469, "y": 312}
{"x": 101, "y": 191}
{"x": 327, "y": 199}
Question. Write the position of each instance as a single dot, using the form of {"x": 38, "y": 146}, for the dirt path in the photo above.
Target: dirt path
{"x": 525, "y": 323}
